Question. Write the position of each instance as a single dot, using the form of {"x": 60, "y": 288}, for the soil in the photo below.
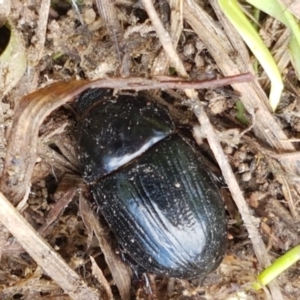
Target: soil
{"x": 75, "y": 43}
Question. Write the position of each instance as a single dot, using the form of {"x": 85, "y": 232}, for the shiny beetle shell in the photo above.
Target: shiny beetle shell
{"x": 156, "y": 195}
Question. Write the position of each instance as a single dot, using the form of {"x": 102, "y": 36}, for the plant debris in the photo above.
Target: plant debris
{"x": 63, "y": 45}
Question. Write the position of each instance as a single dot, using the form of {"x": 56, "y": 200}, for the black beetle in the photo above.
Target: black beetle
{"x": 156, "y": 195}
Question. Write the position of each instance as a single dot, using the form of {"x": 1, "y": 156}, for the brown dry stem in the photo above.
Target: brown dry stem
{"x": 293, "y": 6}
{"x": 43, "y": 254}
{"x": 97, "y": 272}
{"x": 36, "y": 52}
{"x": 120, "y": 271}
{"x": 161, "y": 63}
{"x": 108, "y": 12}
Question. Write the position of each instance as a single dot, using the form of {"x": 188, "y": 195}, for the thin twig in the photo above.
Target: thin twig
{"x": 161, "y": 63}
{"x": 108, "y": 12}
{"x": 36, "y": 52}
{"x": 164, "y": 38}
{"x": 120, "y": 271}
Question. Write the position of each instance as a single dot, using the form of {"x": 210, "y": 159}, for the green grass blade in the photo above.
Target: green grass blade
{"x": 279, "y": 12}
{"x": 277, "y": 267}
{"x": 233, "y": 12}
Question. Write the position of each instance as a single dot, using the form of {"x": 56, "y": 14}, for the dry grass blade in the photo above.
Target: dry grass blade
{"x": 108, "y": 12}
{"x": 165, "y": 39}
{"x": 232, "y": 57}
{"x": 21, "y": 151}
{"x": 121, "y": 272}
{"x": 293, "y": 6}
{"x": 57, "y": 210}
{"x": 97, "y": 272}
{"x": 43, "y": 254}
{"x": 280, "y": 53}
{"x": 36, "y": 52}
{"x": 161, "y": 63}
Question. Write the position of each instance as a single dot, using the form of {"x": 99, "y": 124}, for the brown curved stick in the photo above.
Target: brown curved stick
{"x": 21, "y": 150}
{"x": 34, "y": 108}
